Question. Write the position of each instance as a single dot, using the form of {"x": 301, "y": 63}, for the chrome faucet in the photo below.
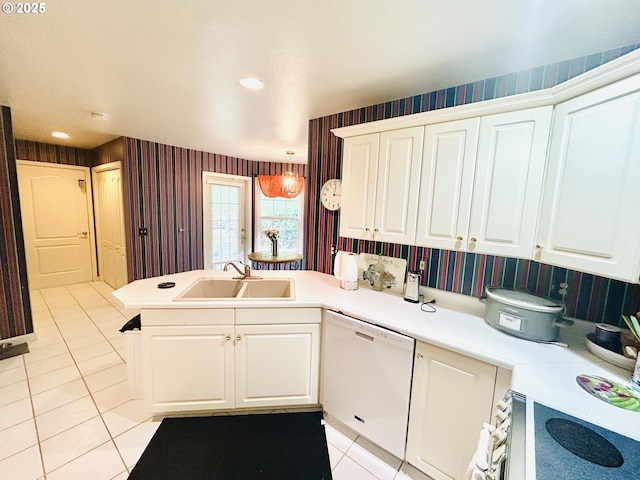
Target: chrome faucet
{"x": 247, "y": 270}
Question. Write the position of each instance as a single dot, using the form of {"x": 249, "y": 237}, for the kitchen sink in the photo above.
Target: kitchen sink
{"x": 204, "y": 289}
{"x": 268, "y": 288}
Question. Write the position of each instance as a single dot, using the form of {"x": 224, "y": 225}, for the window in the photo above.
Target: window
{"x": 283, "y": 214}
{"x": 226, "y": 220}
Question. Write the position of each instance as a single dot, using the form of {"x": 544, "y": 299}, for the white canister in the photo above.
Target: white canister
{"x": 345, "y": 269}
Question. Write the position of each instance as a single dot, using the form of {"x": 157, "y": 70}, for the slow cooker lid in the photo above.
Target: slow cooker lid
{"x": 521, "y": 299}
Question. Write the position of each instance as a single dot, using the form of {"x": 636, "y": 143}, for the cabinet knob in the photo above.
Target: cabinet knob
{"x": 227, "y": 338}
{"x": 238, "y": 338}
{"x": 538, "y": 247}
{"x": 419, "y": 356}
{"x": 459, "y": 238}
{"x": 367, "y": 229}
{"x": 473, "y": 239}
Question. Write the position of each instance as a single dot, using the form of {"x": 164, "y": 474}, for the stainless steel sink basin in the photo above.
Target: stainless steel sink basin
{"x": 205, "y": 289}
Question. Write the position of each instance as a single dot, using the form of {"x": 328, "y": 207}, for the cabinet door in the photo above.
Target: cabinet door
{"x": 589, "y": 217}
{"x": 359, "y": 170}
{"x": 512, "y": 150}
{"x": 277, "y": 365}
{"x": 451, "y": 397}
{"x": 398, "y": 181}
{"x": 188, "y": 368}
{"x": 446, "y": 182}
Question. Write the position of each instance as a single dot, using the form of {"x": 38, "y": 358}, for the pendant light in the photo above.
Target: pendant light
{"x": 290, "y": 179}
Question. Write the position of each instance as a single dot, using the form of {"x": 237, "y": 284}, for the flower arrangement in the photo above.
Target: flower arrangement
{"x": 272, "y": 234}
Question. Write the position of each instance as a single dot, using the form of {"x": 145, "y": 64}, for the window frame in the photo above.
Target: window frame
{"x": 258, "y": 232}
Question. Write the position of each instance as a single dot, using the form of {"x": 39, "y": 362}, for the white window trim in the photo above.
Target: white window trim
{"x": 223, "y": 178}
{"x": 258, "y": 233}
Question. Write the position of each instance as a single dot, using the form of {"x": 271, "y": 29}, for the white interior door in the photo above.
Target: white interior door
{"x": 55, "y": 202}
{"x": 109, "y": 211}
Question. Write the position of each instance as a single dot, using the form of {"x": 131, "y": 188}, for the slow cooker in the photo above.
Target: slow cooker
{"x": 524, "y": 314}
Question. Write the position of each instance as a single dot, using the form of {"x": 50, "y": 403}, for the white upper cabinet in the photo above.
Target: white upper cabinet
{"x": 448, "y": 166}
{"x": 359, "y": 174}
{"x": 512, "y": 151}
{"x": 496, "y": 177}
{"x": 380, "y": 180}
{"x": 481, "y": 183}
{"x": 589, "y": 215}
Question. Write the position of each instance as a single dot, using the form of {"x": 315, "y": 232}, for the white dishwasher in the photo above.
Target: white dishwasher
{"x": 367, "y": 379}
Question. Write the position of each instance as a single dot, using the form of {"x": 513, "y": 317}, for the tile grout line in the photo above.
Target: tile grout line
{"x": 90, "y": 394}
{"x": 111, "y": 439}
{"x": 33, "y": 410}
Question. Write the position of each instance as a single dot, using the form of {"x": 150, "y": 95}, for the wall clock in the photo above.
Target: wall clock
{"x": 331, "y": 194}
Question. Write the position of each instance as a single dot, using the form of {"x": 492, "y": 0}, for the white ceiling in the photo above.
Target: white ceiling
{"x": 167, "y": 71}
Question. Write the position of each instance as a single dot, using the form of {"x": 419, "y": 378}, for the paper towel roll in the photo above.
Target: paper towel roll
{"x": 345, "y": 269}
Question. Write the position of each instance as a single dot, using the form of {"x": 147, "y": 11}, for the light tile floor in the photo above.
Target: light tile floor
{"x": 66, "y": 412}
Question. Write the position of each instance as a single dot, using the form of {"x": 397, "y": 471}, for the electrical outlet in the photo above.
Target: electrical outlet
{"x": 423, "y": 265}
{"x": 143, "y": 231}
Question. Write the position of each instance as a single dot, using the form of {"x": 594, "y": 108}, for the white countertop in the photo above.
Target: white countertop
{"x": 545, "y": 373}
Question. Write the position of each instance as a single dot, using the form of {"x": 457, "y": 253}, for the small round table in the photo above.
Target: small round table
{"x": 266, "y": 257}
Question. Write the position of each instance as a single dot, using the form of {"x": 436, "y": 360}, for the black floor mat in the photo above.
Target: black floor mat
{"x": 284, "y": 446}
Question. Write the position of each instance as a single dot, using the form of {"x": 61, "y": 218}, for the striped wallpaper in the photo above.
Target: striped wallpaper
{"x": 109, "y": 152}
{"x": 15, "y": 306}
{"x": 45, "y": 152}
{"x": 589, "y": 297}
{"x": 163, "y": 193}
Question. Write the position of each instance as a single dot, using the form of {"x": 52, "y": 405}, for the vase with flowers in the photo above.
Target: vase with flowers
{"x": 272, "y": 234}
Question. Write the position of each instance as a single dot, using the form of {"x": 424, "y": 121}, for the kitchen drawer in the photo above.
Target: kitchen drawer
{"x": 191, "y": 316}
{"x": 274, "y": 316}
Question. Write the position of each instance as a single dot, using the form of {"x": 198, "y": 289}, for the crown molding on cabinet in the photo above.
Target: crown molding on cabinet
{"x": 605, "y": 74}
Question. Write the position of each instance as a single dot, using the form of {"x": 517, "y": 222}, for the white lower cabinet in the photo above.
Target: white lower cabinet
{"x": 189, "y": 368}
{"x": 276, "y": 365}
{"x": 452, "y": 395}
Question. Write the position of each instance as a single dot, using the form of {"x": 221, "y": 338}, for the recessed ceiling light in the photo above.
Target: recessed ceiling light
{"x": 60, "y": 135}
{"x": 251, "y": 83}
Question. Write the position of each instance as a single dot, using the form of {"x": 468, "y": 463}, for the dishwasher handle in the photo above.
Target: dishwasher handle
{"x": 363, "y": 330}
{"x": 364, "y": 336}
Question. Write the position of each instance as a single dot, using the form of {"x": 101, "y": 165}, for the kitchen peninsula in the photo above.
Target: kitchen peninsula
{"x": 544, "y": 372}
